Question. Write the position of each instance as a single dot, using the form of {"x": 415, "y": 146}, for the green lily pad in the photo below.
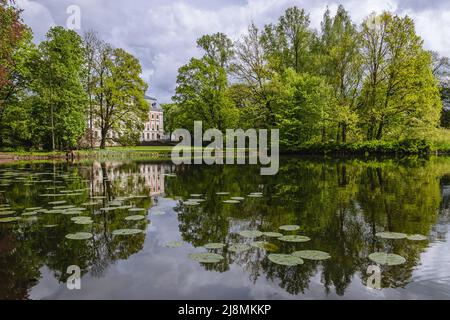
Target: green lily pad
{"x": 126, "y": 232}
{"x": 33, "y": 209}
{"x": 214, "y": 246}
{"x": 174, "y": 244}
{"x": 29, "y": 214}
{"x": 255, "y": 196}
{"x": 389, "y": 259}
{"x": 222, "y": 193}
{"x": 285, "y": 259}
{"x": 272, "y": 234}
{"x": 9, "y": 219}
{"x": 237, "y": 198}
{"x": 312, "y": 255}
{"x": 250, "y": 233}
{"x": 391, "y": 235}
{"x": 239, "y": 247}
{"x": 50, "y": 226}
{"x": 63, "y": 207}
{"x": 294, "y": 238}
{"x": 289, "y": 228}
{"x": 137, "y": 209}
{"x": 191, "y": 203}
{"x": 57, "y": 202}
{"x": 206, "y": 257}
{"x": 231, "y": 201}
{"x": 6, "y": 213}
{"x": 196, "y": 195}
{"x": 84, "y": 221}
{"x": 79, "y": 236}
{"x": 135, "y": 218}
{"x": 417, "y": 237}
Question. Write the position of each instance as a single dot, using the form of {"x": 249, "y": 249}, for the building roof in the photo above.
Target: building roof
{"x": 154, "y": 105}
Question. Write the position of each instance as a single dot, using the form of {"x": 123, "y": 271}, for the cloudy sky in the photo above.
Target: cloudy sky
{"x": 162, "y": 33}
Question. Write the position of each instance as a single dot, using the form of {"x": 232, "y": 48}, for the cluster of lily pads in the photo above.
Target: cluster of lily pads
{"x": 392, "y": 259}
{"x": 60, "y": 206}
{"x": 293, "y": 259}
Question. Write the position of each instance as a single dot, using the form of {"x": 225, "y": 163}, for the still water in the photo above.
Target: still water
{"x": 339, "y": 205}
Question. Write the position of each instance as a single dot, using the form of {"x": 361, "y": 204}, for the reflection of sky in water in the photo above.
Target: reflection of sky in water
{"x": 157, "y": 272}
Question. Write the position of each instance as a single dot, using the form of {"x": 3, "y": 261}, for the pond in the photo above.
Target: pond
{"x": 153, "y": 230}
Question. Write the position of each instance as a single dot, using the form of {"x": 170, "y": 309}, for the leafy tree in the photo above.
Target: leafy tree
{"x": 399, "y": 90}
{"x": 218, "y": 48}
{"x": 288, "y": 43}
{"x": 60, "y": 103}
{"x": 341, "y": 65}
{"x": 304, "y": 108}
{"x": 120, "y": 96}
{"x": 201, "y": 95}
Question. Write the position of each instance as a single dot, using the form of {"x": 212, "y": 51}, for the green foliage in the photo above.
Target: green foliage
{"x": 59, "y": 105}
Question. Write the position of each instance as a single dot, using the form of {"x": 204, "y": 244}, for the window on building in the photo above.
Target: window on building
{"x": 148, "y": 136}
{"x": 157, "y": 127}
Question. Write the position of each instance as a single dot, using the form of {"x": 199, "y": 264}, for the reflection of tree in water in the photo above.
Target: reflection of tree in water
{"x": 26, "y": 248}
{"x": 339, "y": 205}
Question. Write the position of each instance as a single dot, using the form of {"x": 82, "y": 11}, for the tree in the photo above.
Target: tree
{"x": 201, "y": 95}
{"x": 251, "y": 69}
{"x": 120, "y": 96}
{"x": 341, "y": 65}
{"x": 399, "y": 91}
{"x": 288, "y": 44}
{"x": 60, "y": 104}
{"x": 218, "y": 48}
{"x": 304, "y": 109}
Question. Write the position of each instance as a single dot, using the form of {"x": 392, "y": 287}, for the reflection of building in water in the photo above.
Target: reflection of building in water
{"x": 440, "y": 229}
{"x": 154, "y": 178}
{"x": 147, "y": 176}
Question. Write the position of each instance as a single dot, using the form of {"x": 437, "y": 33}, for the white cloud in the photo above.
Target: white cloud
{"x": 162, "y": 34}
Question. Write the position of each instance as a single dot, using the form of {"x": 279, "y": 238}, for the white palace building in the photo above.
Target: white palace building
{"x": 154, "y": 127}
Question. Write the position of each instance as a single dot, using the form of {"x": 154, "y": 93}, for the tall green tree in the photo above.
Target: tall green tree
{"x": 120, "y": 96}
{"x": 400, "y": 94}
{"x": 60, "y": 100}
{"x": 342, "y": 67}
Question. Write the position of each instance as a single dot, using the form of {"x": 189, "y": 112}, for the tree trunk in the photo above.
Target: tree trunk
{"x": 380, "y": 131}
{"x": 103, "y": 141}
{"x": 344, "y": 132}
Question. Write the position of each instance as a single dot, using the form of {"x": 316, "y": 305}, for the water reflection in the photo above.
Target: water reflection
{"x": 340, "y": 205}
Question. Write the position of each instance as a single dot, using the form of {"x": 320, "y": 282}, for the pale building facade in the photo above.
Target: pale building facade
{"x": 154, "y": 127}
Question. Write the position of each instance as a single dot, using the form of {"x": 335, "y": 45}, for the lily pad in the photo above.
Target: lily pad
{"x": 126, "y": 232}
{"x": 285, "y": 259}
{"x": 29, "y": 214}
{"x": 6, "y": 213}
{"x": 50, "y": 226}
{"x": 136, "y": 209}
{"x": 9, "y": 219}
{"x": 135, "y": 218}
{"x": 57, "y": 202}
{"x": 389, "y": 259}
{"x": 222, "y": 193}
{"x": 231, "y": 201}
{"x": 191, "y": 203}
{"x": 239, "y": 247}
{"x": 416, "y": 237}
{"x": 289, "y": 228}
{"x": 206, "y": 257}
{"x": 272, "y": 234}
{"x": 79, "y": 236}
{"x": 196, "y": 195}
{"x": 237, "y": 198}
{"x": 255, "y": 196}
{"x": 174, "y": 244}
{"x": 294, "y": 238}
{"x": 391, "y": 235}
{"x": 214, "y": 246}
{"x": 312, "y": 255}
{"x": 250, "y": 233}
{"x": 33, "y": 209}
